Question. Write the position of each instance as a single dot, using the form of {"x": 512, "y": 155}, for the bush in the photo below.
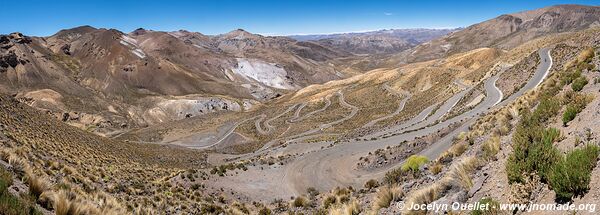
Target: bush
{"x": 533, "y": 152}
{"x": 570, "y": 177}
{"x": 393, "y": 176}
{"x": 5, "y": 180}
{"x": 413, "y": 163}
{"x": 328, "y": 201}
{"x": 569, "y": 77}
{"x": 492, "y": 208}
{"x": 544, "y": 155}
{"x": 460, "y": 172}
{"x": 579, "y": 83}
{"x": 570, "y": 114}
{"x": 300, "y": 202}
{"x": 524, "y": 137}
{"x": 547, "y": 108}
{"x": 370, "y": 184}
{"x": 576, "y": 103}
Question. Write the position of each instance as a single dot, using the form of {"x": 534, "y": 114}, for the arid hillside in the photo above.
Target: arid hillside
{"x": 105, "y": 80}
{"x": 507, "y": 31}
{"x": 97, "y": 121}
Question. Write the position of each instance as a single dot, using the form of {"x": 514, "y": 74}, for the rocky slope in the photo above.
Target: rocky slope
{"x": 507, "y": 31}
{"x": 116, "y": 79}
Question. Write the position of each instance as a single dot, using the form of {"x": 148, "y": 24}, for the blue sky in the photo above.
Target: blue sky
{"x": 42, "y": 18}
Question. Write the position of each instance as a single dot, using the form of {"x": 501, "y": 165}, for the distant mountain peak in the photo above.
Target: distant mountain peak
{"x": 240, "y": 34}
{"x": 139, "y": 31}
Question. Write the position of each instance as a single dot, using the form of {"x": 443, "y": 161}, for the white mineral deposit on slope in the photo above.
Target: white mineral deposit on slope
{"x": 262, "y": 72}
{"x": 132, "y": 44}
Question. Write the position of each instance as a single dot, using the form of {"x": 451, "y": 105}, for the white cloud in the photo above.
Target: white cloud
{"x": 388, "y": 13}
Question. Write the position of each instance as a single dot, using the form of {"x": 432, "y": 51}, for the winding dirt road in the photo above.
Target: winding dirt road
{"x": 398, "y": 110}
{"x": 298, "y": 118}
{"x": 268, "y": 121}
{"x": 334, "y": 166}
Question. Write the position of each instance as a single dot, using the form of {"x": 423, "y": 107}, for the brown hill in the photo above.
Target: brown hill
{"x": 507, "y": 31}
{"x": 150, "y": 76}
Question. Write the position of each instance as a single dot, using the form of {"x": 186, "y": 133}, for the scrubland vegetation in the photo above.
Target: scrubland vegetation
{"x": 534, "y": 152}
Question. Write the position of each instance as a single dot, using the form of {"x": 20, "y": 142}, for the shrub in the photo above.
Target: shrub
{"x": 300, "y": 202}
{"x": 329, "y": 200}
{"x": 215, "y": 209}
{"x": 414, "y": 162}
{"x": 570, "y": 113}
{"x": 533, "y": 152}
{"x": 425, "y": 195}
{"x": 459, "y": 148}
{"x": 370, "y": 184}
{"x": 524, "y": 136}
{"x": 547, "y": 108}
{"x": 393, "y": 176}
{"x": 5, "y": 180}
{"x": 579, "y": 83}
{"x": 544, "y": 155}
{"x": 569, "y": 77}
{"x": 586, "y": 55}
{"x": 570, "y": 177}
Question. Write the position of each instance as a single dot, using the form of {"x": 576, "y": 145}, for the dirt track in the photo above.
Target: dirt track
{"x": 328, "y": 167}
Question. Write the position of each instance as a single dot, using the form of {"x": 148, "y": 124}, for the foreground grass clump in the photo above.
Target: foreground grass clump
{"x": 460, "y": 172}
{"x": 351, "y": 208}
{"x": 571, "y": 175}
{"x": 386, "y": 195}
{"x": 491, "y": 147}
{"x": 459, "y": 175}
{"x": 9, "y": 204}
{"x": 414, "y": 162}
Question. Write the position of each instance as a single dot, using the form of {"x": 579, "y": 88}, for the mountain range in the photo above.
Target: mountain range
{"x": 100, "y": 121}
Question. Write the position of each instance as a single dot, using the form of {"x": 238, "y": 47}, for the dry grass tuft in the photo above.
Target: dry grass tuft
{"x": 351, "y": 208}
{"x": 460, "y": 172}
{"x": 425, "y": 196}
{"x": 436, "y": 167}
{"x": 64, "y": 203}
{"x": 458, "y": 149}
{"x": 491, "y": 147}
{"x": 387, "y": 195}
{"x": 37, "y": 185}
